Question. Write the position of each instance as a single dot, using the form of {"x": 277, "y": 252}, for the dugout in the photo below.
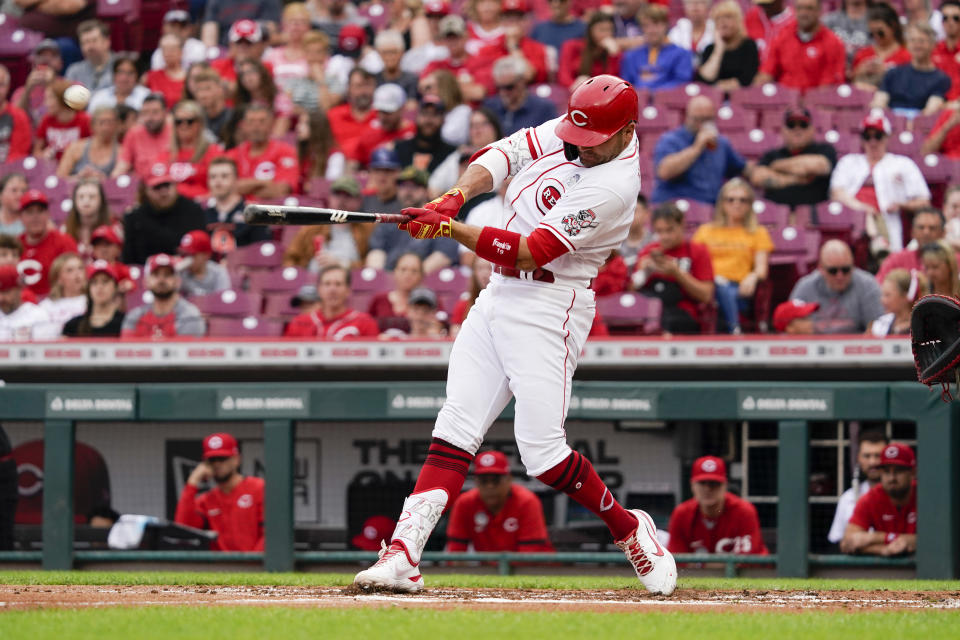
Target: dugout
{"x": 337, "y": 424}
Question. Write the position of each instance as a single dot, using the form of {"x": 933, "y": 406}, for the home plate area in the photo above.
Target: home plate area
{"x": 76, "y": 597}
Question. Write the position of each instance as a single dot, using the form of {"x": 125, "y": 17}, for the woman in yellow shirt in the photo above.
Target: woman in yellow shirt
{"x": 739, "y": 249}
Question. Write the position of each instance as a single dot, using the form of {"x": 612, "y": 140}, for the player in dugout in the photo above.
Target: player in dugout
{"x": 714, "y": 520}
{"x": 497, "y": 515}
{"x": 233, "y": 507}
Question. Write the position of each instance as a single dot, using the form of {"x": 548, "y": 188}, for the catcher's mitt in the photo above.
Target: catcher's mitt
{"x": 935, "y": 338}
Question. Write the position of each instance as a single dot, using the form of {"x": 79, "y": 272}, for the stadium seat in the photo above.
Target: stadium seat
{"x": 248, "y": 327}
{"x": 317, "y": 189}
{"x": 767, "y": 96}
{"x": 33, "y": 168}
{"x": 229, "y": 303}
{"x": 16, "y": 44}
{"x": 377, "y": 15}
{"x": 841, "y": 96}
{"x": 843, "y": 143}
{"x": 656, "y": 121}
{"x": 370, "y": 279}
{"x": 754, "y": 143}
{"x": 59, "y": 208}
{"x": 277, "y": 305}
{"x": 137, "y": 297}
{"x": 905, "y": 143}
{"x": 555, "y": 93}
{"x": 121, "y": 193}
{"x": 938, "y": 169}
{"x": 770, "y": 214}
{"x": 630, "y": 313}
{"x": 695, "y": 213}
{"x": 448, "y": 280}
{"x": 360, "y": 300}
{"x": 283, "y": 279}
{"x": 676, "y": 99}
{"x": 263, "y": 255}
{"x": 789, "y": 241}
{"x": 123, "y": 18}
{"x": 731, "y": 119}
{"x": 643, "y": 96}
{"x": 835, "y": 220}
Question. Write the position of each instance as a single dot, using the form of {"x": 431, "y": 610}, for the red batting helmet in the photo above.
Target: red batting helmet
{"x": 598, "y": 108}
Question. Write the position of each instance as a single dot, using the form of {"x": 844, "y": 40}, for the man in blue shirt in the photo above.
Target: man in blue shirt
{"x": 694, "y": 160}
{"x": 561, "y": 26}
{"x": 514, "y": 105}
{"x": 658, "y": 64}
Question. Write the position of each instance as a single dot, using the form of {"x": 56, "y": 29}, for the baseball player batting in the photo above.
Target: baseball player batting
{"x": 570, "y": 203}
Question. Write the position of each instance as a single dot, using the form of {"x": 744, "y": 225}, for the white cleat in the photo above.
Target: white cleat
{"x": 392, "y": 572}
{"x": 654, "y": 565}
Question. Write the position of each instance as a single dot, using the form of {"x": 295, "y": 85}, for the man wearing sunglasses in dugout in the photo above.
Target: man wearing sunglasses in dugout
{"x": 799, "y": 171}
{"x": 849, "y": 297}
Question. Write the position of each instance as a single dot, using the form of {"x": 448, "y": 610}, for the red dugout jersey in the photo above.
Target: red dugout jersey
{"x": 348, "y": 325}
{"x": 519, "y": 526}
{"x": 737, "y": 530}
{"x": 875, "y": 511}
{"x": 237, "y": 517}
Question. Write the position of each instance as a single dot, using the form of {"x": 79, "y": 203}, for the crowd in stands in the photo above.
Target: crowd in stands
{"x": 798, "y": 162}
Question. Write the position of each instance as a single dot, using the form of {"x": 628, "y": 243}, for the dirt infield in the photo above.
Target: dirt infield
{"x": 76, "y": 597}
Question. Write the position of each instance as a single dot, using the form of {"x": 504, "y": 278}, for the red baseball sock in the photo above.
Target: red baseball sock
{"x": 577, "y": 478}
{"x": 445, "y": 468}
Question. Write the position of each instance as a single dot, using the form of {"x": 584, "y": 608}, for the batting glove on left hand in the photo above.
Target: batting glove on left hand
{"x": 426, "y": 224}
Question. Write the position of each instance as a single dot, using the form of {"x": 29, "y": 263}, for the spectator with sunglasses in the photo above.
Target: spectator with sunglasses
{"x": 879, "y": 184}
{"x": 886, "y": 51}
{"x": 946, "y": 55}
{"x": 190, "y": 151}
{"x": 849, "y": 297}
{"x": 919, "y": 87}
{"x": 799, "y": 171}
{"x": 514, "y": 105}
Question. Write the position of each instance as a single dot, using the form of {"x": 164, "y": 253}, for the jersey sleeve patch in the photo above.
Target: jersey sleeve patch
{"x": 574, "y": 223}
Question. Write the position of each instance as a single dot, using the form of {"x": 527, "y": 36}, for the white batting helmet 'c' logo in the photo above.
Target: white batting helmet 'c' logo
{"x": 709, "y": 466}
{"x": 575, "y": 114}
{"x": 891, "y": 452}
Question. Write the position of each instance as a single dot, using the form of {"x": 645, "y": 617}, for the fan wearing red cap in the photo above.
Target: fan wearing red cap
{"x": 106, "y": 245}
{"x": 200, "y": 275}
{"x": 714, "y": 520}
{"x": 103, "y": 317}
{"x": 233, "y": 507}
{"x": 41, "y": 242}
{"x": 20, "y": 321}
{"x": 497, "y": 515}
{"x": 167, "y": 315}
{"x": 245, "y": 41}
{"x": 884, "y": 522}
{"x": 515, "y": 22}
{"x": 793, "y": 317}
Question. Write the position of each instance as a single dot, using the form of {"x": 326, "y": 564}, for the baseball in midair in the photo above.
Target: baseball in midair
{"x": 76, "y": 97}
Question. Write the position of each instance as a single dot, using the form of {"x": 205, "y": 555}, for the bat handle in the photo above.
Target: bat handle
{"x": 393, "y": 218}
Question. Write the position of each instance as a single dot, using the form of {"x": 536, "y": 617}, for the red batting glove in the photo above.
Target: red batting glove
{"x": 426, "y": 224}
{"x": 448, "y": 204}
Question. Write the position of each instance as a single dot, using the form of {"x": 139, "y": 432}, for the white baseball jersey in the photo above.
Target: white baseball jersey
{"x": 27, "y": 322}
{"x": 588, "y": 209}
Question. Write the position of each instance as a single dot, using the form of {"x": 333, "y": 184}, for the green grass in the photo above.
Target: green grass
{"x": 399, "y": 623}
{"x": 458, "y": 580}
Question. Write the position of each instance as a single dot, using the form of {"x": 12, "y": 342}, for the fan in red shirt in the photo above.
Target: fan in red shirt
{"x": 764, "y": 21}
{"x": 266, "y": 169}
{"x": 884, "y": 522}
{"x": 714, "y": 520}
{"x": 588, "y": 56}
{"x": 497, "y": 515}
{"x": 14, "y": 124}
{"x": 513, "y": 17}
{"x": 453, "y": 34}
{"x": 170, "y": 79}
{"x": 675, "y": 270}
{"x": 946, "y": 54}
{"x": 62, "y": 125}
{"x": 41, "y": 243}
{"x": 389, "y": 125}
{"x": 349, "y": 121}
{"x": 805, "y": 54}
{"x": 233, "y": 508}
{"x": 190, "y": 152}
{"x": 334, "y": 320}
{"x": 246, "y": 43}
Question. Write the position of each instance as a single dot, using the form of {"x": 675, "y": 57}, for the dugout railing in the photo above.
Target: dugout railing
{"x": 792, "y": 405}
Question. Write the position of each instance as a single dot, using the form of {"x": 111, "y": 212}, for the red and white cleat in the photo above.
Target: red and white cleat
{"x": 654, "y": 565}
{"x": 393, "y": 571}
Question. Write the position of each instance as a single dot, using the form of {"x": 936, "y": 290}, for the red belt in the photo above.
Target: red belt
{"x": 540, "y": 275}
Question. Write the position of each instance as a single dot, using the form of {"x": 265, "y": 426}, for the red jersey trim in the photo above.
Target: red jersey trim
{"x": 531, "y": 146}
{"x": 559, "y": 235}
{"x": 544, "y": 246}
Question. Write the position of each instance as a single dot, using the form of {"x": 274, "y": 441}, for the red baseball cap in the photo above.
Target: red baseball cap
{"x": 195, "y": 242}
{"x": 106, "y": 232}
{"x": 159, "y": 177}
{"x": 9, "y": 277}
{"x": 876, "y": 120}
{"x": 247, "y": 30}
{"x": 375, "y": 529}
{"x": 352, "y": 37}
{"x": 220, "y": 445}
{"x": 514, "y": 6}
{"x": 791, "y": 310}
{"x": 709, "y": 469}
{"x": 102, "y": 266}
{"x": 436, "y": 7}
{"x": 33, "y": 196}
{"x": 158, "y": 261}
{"x": 899, "y": 455}
{"x": 491, "y": 463}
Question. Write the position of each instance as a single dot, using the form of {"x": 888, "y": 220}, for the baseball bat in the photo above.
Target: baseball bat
{"x": 279, "y": 214}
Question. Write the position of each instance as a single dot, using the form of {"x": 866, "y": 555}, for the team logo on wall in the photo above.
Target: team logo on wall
{"x": 548, "y": 193}
{"x": 574, "y": 223}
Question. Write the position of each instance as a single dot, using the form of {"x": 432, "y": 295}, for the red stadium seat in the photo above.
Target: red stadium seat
{"x": 16, "y": 44}
{"x": 676, "y": 99}
{"x": 839, "y": 97}
{"x": 905, "y": 143}
{"x": 229, "y": 303}
{"x": 317, "y": 189}
{"x": 277, "y": 305}
{"x": 771, "y": 214}
{"x": 121, "y": 192}
{"x": 263, "y": 255}
{"x": 370, "y": 279}
{"x": 938, "y": 169}
{"x": 248, "y": 327}
{"x": 767, "y": 96}
{"x": 123, "y": 18}
{"x": 789, "y": 240}
{"x": 284, "y": 279}
{"x": 754, "y": 143}
{"x": 695, "y": 213}
{"x": 732, "y": 119}
{"x": 377, "y": 15}
{"x": 656, "y": 121}
{"x": 837, "y": 221}
{"x": 630, "y": 313}
{"x": 448, "y": 280}
{"x": 33, "y": 168}
{"x": 843, "y": 143}
{"x": 555, "y": 93}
